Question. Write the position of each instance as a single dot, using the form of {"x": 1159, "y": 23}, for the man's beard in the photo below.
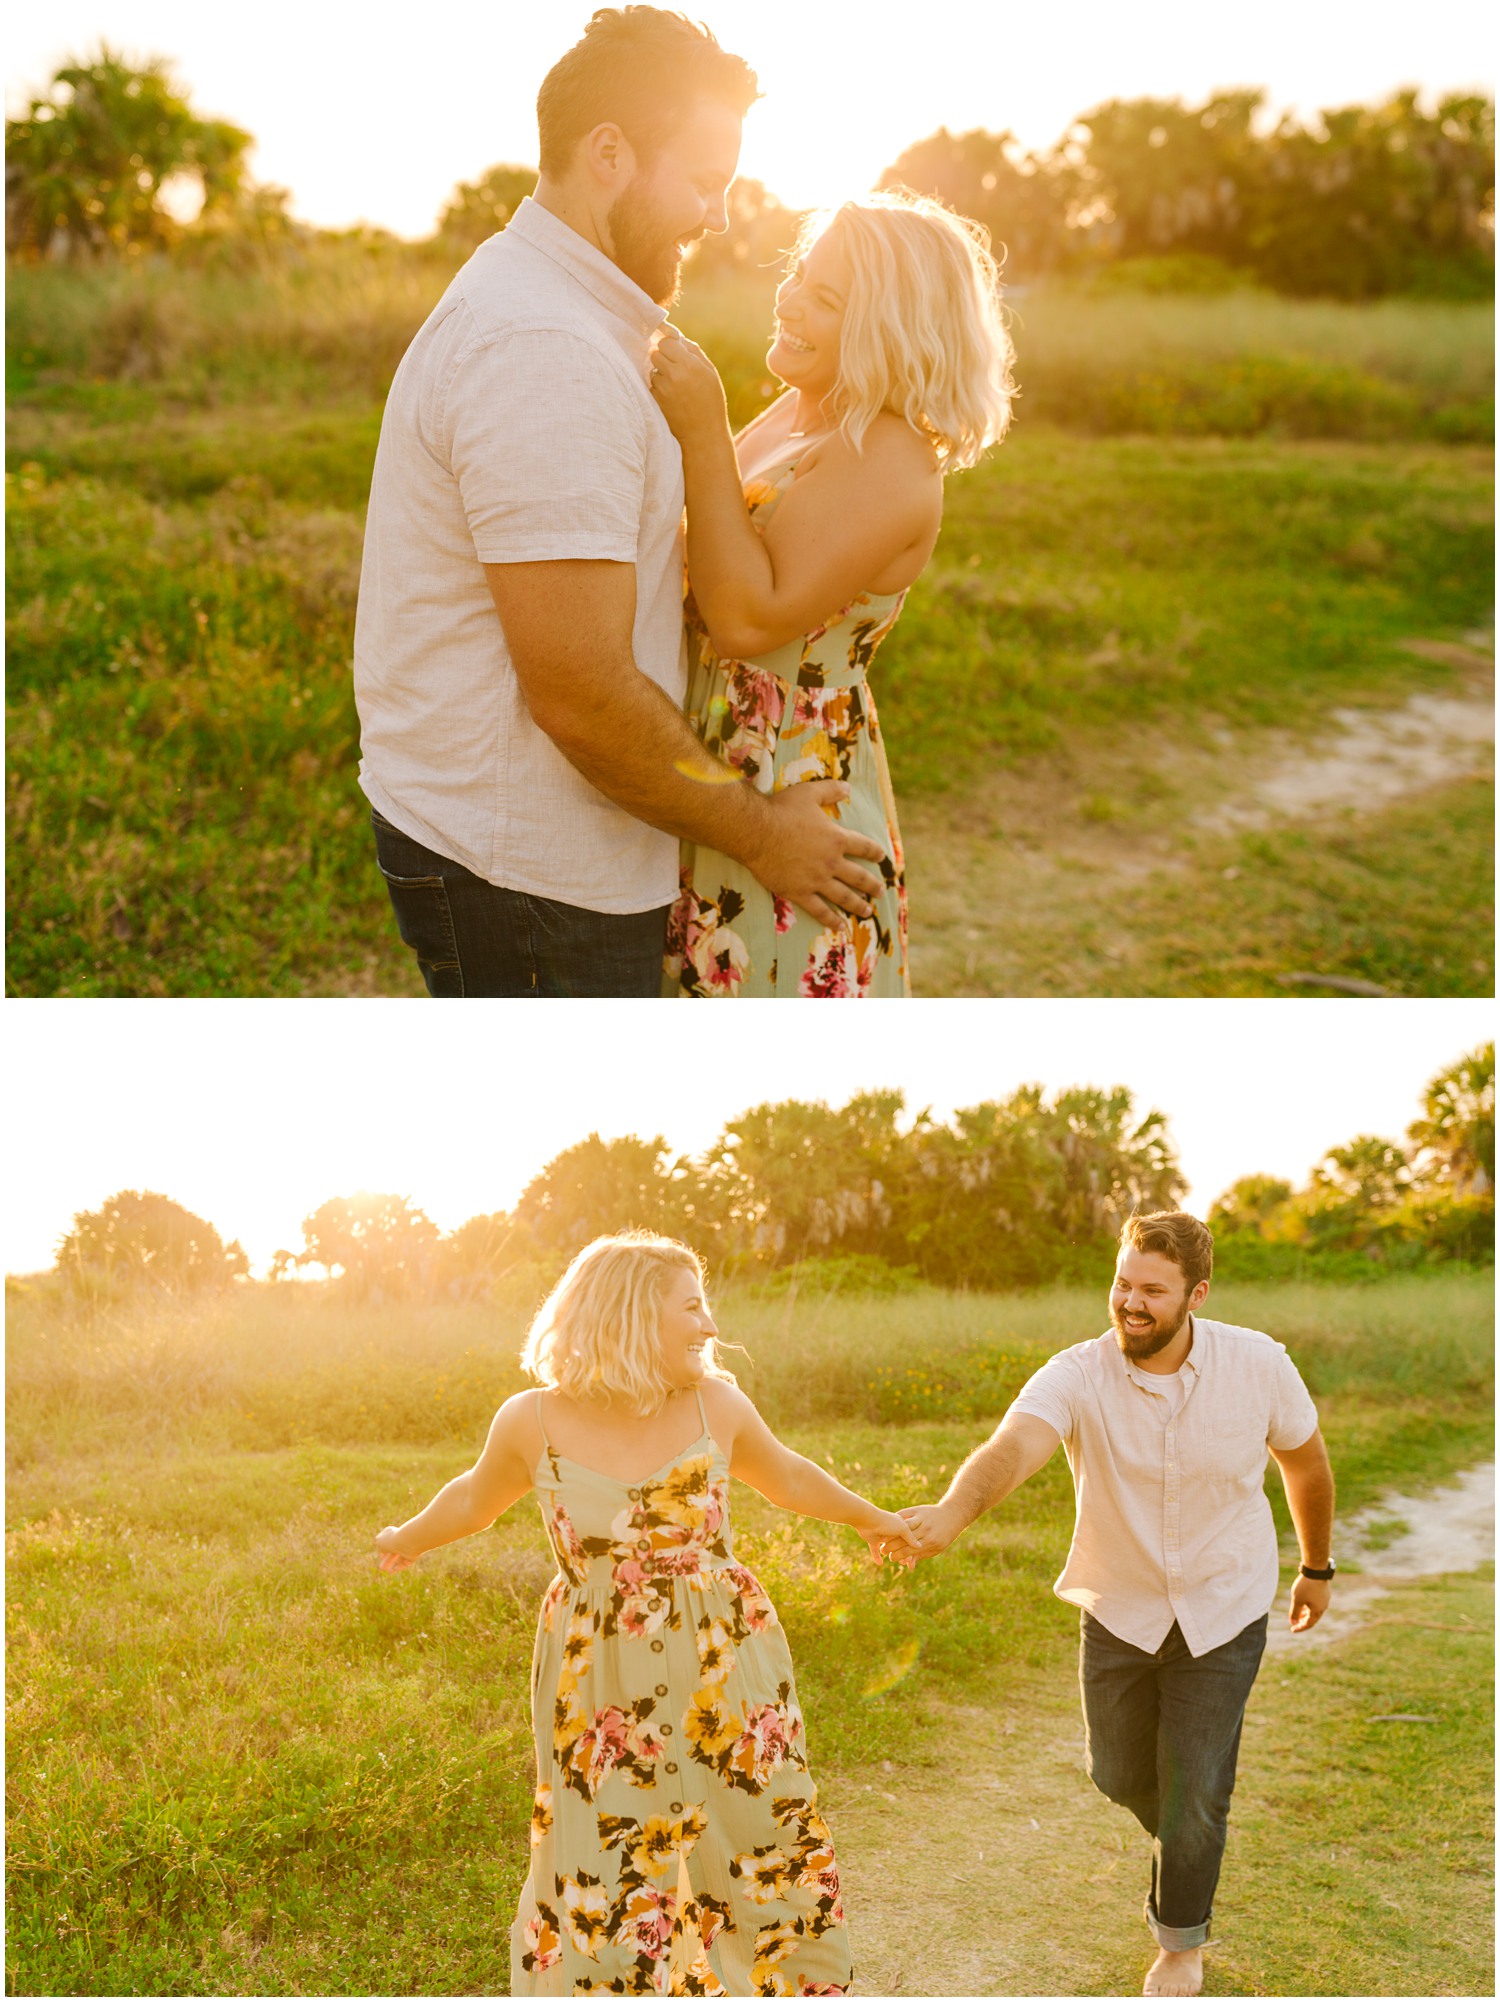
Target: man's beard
{"x": 1139, "y": 1345}
{"x": 646, "y": 256}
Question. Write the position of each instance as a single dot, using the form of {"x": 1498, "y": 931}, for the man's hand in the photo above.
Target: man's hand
{"x": 1309, "y": 1602}
{"x": 933, "y": 1525}
{"x": 889, "y": 1535}
{"x": 805, "y": 856}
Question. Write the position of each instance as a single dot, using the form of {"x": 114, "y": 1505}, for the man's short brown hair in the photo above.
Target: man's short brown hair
{"x": 1176, "y": 1235}
{"x": 643, "y": 69}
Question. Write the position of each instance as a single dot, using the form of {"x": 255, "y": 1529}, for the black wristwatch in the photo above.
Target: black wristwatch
{"x": 1324, "y": 1576}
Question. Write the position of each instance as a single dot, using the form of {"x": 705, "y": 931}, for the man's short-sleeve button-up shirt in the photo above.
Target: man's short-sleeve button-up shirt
{"x": 520, "y": 428}
{"x": 1172, "y": 1520}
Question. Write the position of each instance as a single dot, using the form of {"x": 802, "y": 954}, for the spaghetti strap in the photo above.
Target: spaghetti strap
{"x": 702, "y": 1414}
{"x": 540, "y": 1426}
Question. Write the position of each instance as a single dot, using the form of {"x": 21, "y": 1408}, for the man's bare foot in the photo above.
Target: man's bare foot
{"x": 1176, "y": 1973}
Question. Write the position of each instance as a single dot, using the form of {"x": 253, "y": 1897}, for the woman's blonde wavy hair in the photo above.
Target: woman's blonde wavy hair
{"x": 924, "y": 329}
{"x": 595, "y": 1335}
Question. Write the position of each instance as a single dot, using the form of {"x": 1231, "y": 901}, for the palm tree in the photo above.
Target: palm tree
{"x": 87, "y": 165}
{"x": 1455, "y": 1135}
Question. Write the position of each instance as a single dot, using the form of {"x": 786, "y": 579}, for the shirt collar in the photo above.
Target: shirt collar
{"x": 595, "y": 272}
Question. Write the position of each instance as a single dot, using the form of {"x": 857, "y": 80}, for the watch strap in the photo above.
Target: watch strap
{"x": 1307, "y": 1571}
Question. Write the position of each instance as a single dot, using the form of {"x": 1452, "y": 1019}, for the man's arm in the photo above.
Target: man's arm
{"x": 1308, "y": 1479}
{"x": 1019, "y": 1447}
{"x": 568, "y": 626}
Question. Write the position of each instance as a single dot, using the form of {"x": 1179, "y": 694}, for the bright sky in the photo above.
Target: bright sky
{"x": 252, "y": 1113}
{"x": 373, "y": 116}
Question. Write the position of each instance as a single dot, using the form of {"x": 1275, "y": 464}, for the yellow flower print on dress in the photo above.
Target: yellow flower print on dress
{"x": 715, "y": 1650}
{"x": 543, "y": 1941}
{"x": 652, "y": 1846}
{"x": 585, "y": 1912}
{"x": 711, "y": 1729}
{"x": 816, "y": 759}
{"x": 685, "y": 1497}
{"x": 772, "y": 1945}
{"x": 765, "y": 1874}
{"x": 745, "y": 1751}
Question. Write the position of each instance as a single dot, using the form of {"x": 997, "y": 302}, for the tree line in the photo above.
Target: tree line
{"x": 1014, "y": 1192}
{"x": 1358, "y": 202}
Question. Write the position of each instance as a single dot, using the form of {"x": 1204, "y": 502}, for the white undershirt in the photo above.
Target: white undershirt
{"x": 1172, "y": 1391}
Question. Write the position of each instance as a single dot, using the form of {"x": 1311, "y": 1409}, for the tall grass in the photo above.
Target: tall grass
{"x": 268, "y": 1367}
{"x": 337, "y": 321}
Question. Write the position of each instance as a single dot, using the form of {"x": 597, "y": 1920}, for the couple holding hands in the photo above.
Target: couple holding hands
{"x": 677, "y": 1843}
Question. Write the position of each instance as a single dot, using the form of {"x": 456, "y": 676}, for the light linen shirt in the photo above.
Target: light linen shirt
{"x": 520, "y": 428}
{"x": 1172, "y": 1518}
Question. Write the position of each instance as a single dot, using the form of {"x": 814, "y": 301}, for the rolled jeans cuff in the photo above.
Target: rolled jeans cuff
{"x": 1177, "y": 1939}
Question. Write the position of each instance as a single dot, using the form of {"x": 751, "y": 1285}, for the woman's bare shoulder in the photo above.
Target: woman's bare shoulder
{"x": 902, "y": 455}
{"x": 726, "y": 1408}
{"x": 719, "y": 1394}
{"x": 518, "y": 1424}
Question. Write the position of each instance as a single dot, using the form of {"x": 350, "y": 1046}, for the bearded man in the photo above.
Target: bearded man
{"x": 519, "y": 658}
{"x": 1166, "y": 1420}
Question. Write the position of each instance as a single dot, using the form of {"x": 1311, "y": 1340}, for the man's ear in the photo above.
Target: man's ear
{"x": 608, "y": 157}
{"x": 1198, "y": 1295}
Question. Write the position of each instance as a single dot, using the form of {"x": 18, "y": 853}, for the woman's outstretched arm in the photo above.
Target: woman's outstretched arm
{"x": 471, "y": 1501}
{"x": 846, "y": 518}
{"x": 790, "y": 1480}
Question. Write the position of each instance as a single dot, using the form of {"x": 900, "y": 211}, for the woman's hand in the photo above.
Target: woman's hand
{"x": 392, "y": 1559}
{"x": 889, "y": 1535}
{"x": 686, "y": 386}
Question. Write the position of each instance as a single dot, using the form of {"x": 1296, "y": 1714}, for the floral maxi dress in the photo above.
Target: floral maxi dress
{"x": 803, "y": 712}
{"x": 676, "y": 1842}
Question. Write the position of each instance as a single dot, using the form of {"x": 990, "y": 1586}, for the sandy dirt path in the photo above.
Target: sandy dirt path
{"x": 956, "y": 1873}
{"x": 1034, "y": 860}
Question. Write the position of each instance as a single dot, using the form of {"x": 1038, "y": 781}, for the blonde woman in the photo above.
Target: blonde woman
{"x": 677, "y": 1846}
{"x": 804, "y": 534}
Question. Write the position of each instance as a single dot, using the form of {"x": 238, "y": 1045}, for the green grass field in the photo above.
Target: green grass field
{"x": 1216, "y": 520}
{"x": 241, "y": 1761}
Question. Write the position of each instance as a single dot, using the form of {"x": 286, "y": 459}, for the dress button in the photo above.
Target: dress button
{"x": 656, "y": 1647}
{"x": 635, "y": 1494}
{"x": 661, "y": 1689}
{"x": 671, "y": 1766}
{"x": 675, "y": 1807}
{"x": 666, "y": 1730}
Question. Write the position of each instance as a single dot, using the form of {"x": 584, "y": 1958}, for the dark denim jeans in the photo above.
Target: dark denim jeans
{"x": 473, "y": 938}
{"x": 1163, "y": 1737}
